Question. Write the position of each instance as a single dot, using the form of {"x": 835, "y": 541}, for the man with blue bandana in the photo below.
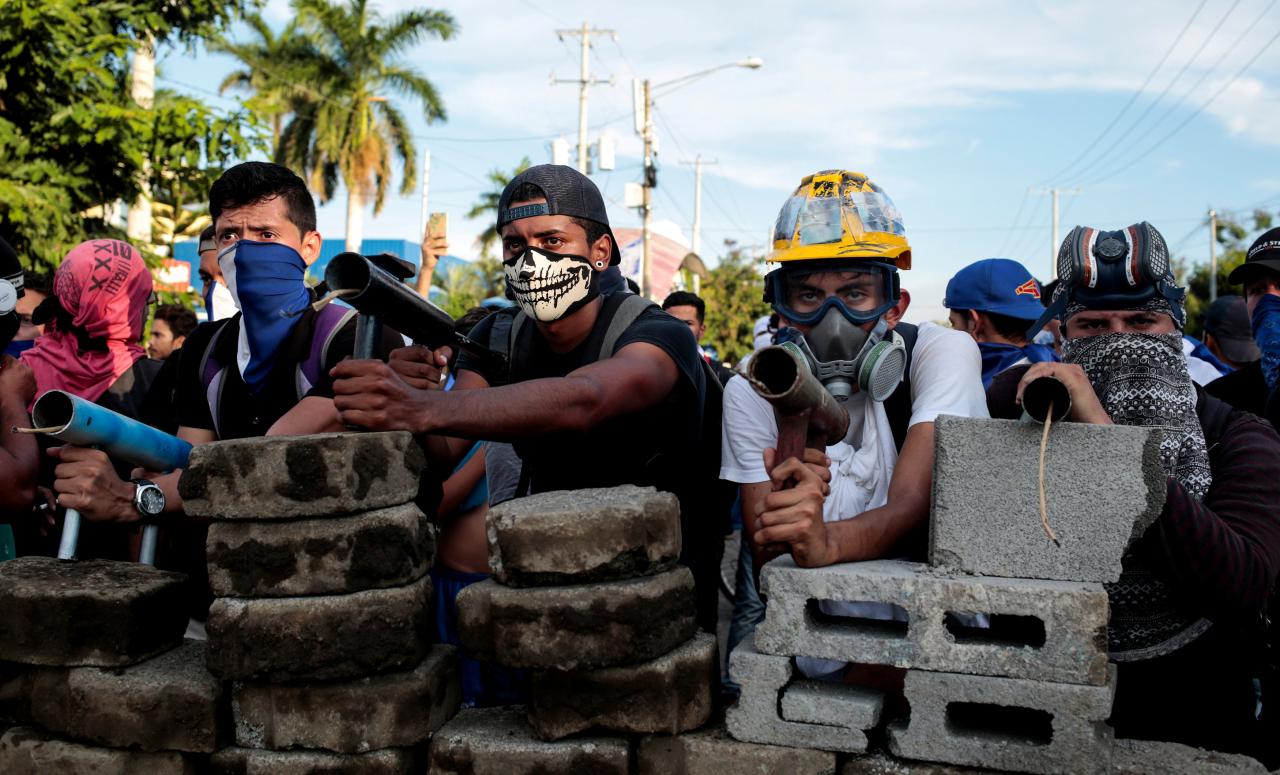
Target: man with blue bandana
{"x": 1260, "y": 276}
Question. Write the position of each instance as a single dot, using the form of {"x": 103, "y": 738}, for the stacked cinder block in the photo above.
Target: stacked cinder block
{"x": 94, "y": 673}
{"x": 1003, "y": 635}
{"x": 318, "y": 560}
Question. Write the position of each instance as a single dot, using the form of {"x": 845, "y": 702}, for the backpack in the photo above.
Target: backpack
{"x": 328, "y": 322}
{"x": 898, "y": 405}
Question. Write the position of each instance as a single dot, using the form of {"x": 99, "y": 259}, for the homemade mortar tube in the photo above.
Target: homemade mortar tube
{"x": 74, "y": 420}
{"x": 1042, "y": 394}
{"x": 808, "y": 416}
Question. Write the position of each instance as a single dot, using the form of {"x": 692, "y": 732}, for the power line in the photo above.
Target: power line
{"x": 1026, "y": 195}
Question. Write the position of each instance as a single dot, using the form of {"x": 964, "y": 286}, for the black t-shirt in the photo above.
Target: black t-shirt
{"x": 1245, "y": 389}
{"x": 655, "y": 446}
{"x": 243, "y": 413}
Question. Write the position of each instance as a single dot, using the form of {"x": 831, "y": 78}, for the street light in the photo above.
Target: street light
{"x": 650, "y": 171}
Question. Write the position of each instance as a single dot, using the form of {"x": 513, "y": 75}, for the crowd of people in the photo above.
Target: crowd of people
{"x": 599, "y": 387}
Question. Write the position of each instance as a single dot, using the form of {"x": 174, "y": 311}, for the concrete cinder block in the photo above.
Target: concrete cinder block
{"x": 583, "y": 626}
{"x": 755, "y": 718}
{"x": 167, "y": 703}
{"x": 1041, "y": 629}
{"x": 671, "y": 694}
{"x": 377, "y": 549}
{"x": 1150, "y": 757}
{"x": 292, "y": 477}
{"x": 712, "y": 752}
{"x": 986, "y": 503}
{"x": 27, "y": 751}
{"x": 833, "y": 704}
{"x": 249, "y": 761}
{"x": 581, "y": 536}
{"x": 881, "y": 764}
{"x": 91, "y": 612}
{"x": 1006, "y": 723}
{"x": 15, "y": 694}
{"x": 319, "y": 638}
{"x": 499, "y": 741}
{"x": 393, "y": 710}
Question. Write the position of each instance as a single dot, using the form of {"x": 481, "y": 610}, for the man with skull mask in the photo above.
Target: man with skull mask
{"x": 587, "y": 401}
{"x": 839, "y": 243}
{"x": 1185, "y": 614}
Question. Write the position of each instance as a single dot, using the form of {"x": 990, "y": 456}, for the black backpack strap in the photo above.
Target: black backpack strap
{"x": 898, "y": 405}
{"x": 502, "y": 338}
{"x": 630, "y": 308}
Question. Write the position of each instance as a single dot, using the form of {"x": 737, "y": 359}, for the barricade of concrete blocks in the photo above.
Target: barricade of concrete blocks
{"x": 319, "y": 561}
{"x": 95, "y": 674}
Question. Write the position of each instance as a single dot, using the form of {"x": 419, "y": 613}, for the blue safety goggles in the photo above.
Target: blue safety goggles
{"x": 805, "y": 303}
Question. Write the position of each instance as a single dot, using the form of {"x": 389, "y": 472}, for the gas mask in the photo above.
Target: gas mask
{"x": 9, "y": 320}
{"x": 845, "y": 357}
{"x": 549, "y": 286}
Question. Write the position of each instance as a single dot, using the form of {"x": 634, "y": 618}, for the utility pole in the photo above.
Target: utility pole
{"x": 650, "y": 182}
{"x": 1055, "y": 194}
{"x": 584, "y": 82}
{"x": 1213, "y": 255}
{"x": 697, "y": 164}
{"x": 424, "y": 271}
{"x": 143, "y": 91}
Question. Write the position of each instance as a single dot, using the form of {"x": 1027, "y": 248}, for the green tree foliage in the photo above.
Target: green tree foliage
{"x": 274, "y": 71}
{"x": 734, "y": 296}
{"x": 487, "y": 204}
{"x": 1234, "y": 237}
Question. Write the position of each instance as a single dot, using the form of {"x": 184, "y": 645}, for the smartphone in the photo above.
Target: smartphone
{"x": 438, "y": 224}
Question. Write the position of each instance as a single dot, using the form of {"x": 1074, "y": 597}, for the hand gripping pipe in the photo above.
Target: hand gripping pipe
{"x": 73, "y": 420}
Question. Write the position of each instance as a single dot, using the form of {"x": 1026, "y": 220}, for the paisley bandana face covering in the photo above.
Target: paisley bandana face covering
{"x": 548, "y": 286}
{"x": 266, "y": 282}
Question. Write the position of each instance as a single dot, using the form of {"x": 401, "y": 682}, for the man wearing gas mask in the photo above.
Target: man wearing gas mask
{"x": 603, "y": 389}
{"x": 1187, "y": 612}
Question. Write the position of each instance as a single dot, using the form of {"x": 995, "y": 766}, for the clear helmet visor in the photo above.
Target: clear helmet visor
{"x": 857, "y": 209}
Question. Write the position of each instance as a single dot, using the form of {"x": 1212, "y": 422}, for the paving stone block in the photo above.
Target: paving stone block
{"x": 1149, "y": 757}
{"x": 1040, "y": 629}
{"x": 832, "y": 704}
{"x": 712, "y": 752}
{"x": 27, "y": 751}
{"x": 15, "y": 694}
{"x": 377, "y": 549}
{"x": 1006, "y": 723}
{"x": 583, "y": 626}
{"x": 499, "y": 741}
{"x": 291, "y": 477}
{"x": 580, "y": 536}
{"x": 248, "y": 761}
{"x": 319, "y": 638}
{"x": 881, "y": 764}
{"x": 167, "y": 703}
{"x": 986, "y": 504}
{"x": 393, "y": 710}
{"x": 756, "y": 718}
{"x": 670, "y": 694}
{"x": 90, "y": 612}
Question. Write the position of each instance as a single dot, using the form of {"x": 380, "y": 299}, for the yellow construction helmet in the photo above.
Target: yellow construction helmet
{"x": 838, "y": 214}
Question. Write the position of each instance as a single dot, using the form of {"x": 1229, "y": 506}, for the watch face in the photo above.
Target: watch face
{"x": 150, "y": 499}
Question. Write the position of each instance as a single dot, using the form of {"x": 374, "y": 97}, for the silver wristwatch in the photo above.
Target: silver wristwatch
{"x": 148, "y": 499}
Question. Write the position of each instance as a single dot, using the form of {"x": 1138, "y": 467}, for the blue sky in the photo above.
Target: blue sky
{"x": 954, "y": 108}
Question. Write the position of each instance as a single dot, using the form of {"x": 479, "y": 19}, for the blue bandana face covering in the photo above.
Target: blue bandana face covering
{"x": 996, "y": 357}
{"x": 266, "y": 282}
{"x": 1266, "y": 332}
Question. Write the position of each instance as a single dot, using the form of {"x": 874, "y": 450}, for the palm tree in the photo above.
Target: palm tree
{"x": 270, "y": 65}
{"x": 488, "y": 203}
{"x": 346, "y": 128}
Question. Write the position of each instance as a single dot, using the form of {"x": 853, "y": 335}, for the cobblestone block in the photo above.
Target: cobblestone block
{"x": 832, "y": 704}
{"x": 583, "y": 626}
{"x": 1149, "y": 757}
{"x": 499, "y": 741}
{"x": 301, "y": 477}
{"x": 986, "y": 504}
{"x": 384, "y": 548}
{"x": 670, "y": 694}
{"x": 27, "y": 751}
{"x": 1006, "y": 723}
{"x": 320, "y": 638}
{"x": 248, "y": 761}
{"x": 1040, "y": 629}
{"x": 91, "y": 612}
{"x": 712, "y": 752}
{"x": 394, "y": 710}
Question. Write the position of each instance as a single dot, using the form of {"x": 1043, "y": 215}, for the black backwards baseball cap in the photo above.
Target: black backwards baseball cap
{"x": 1228, "y": 321}
{"x": 567, "y": 191}
{"x": 1263, "y": 253}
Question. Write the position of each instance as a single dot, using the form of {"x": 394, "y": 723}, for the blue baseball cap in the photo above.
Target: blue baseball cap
{"x": 998, "y": 285}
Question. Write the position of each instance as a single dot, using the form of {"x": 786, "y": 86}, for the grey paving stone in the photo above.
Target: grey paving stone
{"x": 373, "y": 550}
{"x": 881, "y": 764}
{"x": 755, "y": 718}
{"x": 248, "y": 761}
{"x": 27, "y": 751}
{"x": 89, "y": 612}
{"x": 1024, "y": 726}
{"x": 15, "y": 694}
{"x": 167, "y": 703}
{"x": 292, "y": 477}
{"x": 1149, "y": 757}
{"x": 581, "y": 536}
{"x": 671, "y": 694}
{"x": 712, "y": 752}
{"x": 583, "y": 626}
{"x": 319, "y": 638}
{"x": 393, "y": 710}
{"x": 833, "y": 704}
{"x": 986, "y": 504}
{"x": 499, "y": 741}
{"x": 1060, "y": 626}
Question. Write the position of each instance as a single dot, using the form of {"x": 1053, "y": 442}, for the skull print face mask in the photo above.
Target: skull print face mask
{"x": 548, "y": 286}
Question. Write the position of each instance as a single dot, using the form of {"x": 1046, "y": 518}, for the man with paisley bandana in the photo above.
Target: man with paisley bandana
{"x": 1186, "y": 613}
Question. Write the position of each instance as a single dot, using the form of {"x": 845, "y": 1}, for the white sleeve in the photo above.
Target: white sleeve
{"x": 946, "y": 375}
{"x": 748, "y": 427}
